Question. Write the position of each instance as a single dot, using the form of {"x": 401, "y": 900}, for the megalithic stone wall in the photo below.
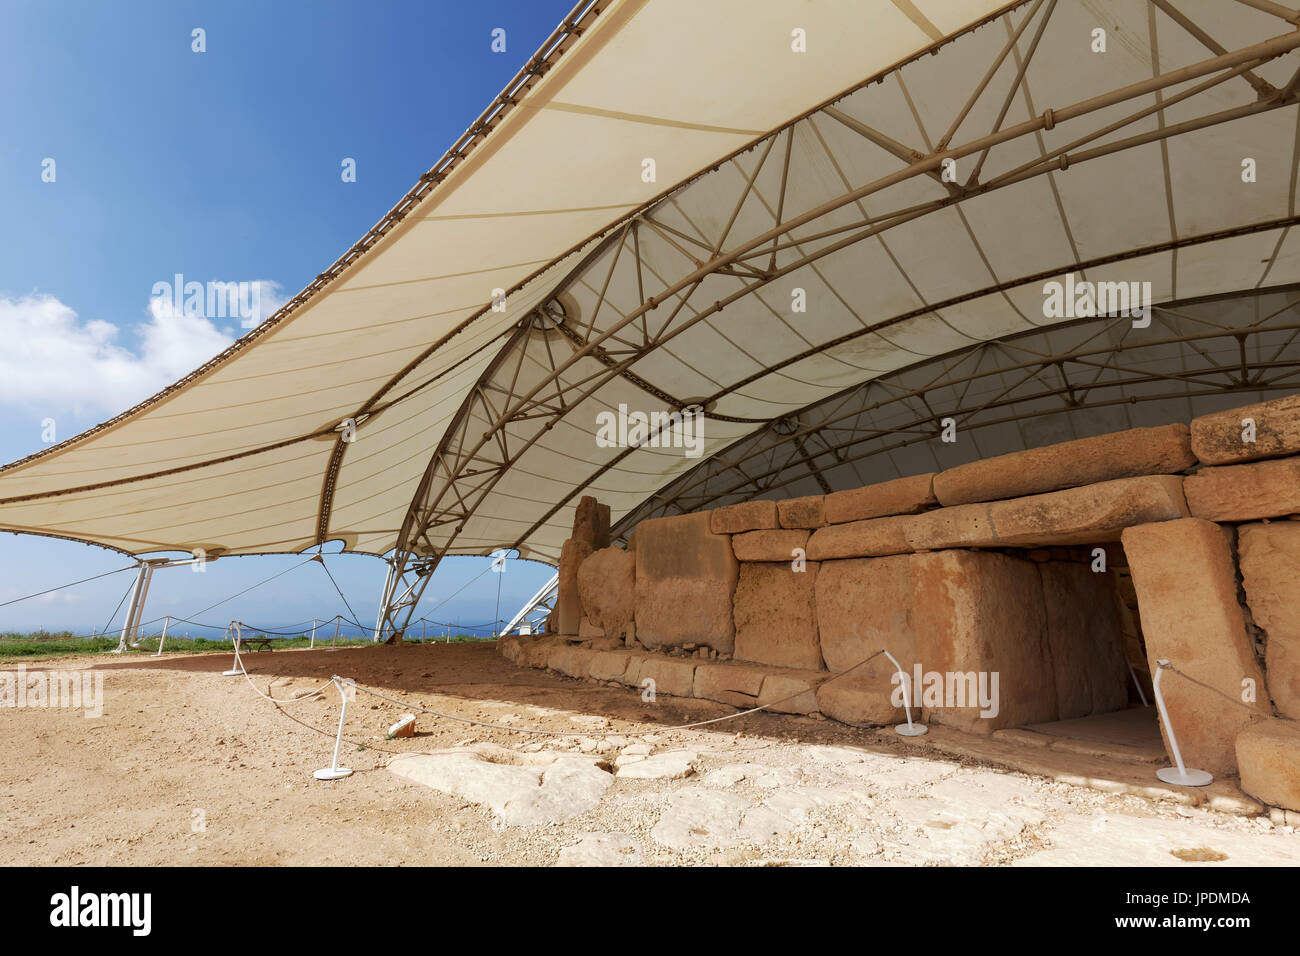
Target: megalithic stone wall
{"x": 1003, "y": 566}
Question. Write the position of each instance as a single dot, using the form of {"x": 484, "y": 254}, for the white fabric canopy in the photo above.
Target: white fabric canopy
{"x": 245, "y": 455}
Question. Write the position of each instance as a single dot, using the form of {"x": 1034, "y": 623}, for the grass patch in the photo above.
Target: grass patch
{"x": 28, "y": 646}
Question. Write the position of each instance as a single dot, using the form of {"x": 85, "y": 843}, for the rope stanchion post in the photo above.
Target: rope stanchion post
{"x": 1179, "y": 775}
{"x": 908, "y": 729}
{"x": 166, "y": 623}
{"x": 238, "y": 667}
{"x": 334, "y": 771}
{"x": 313, "y": 634}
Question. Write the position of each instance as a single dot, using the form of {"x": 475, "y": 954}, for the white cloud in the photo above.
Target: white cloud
{"x": 52, "y": 361}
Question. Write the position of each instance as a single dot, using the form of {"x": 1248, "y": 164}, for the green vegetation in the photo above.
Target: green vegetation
{"x": 30, "y": 646}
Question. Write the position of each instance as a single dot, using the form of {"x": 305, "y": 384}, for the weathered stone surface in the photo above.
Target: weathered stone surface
{"x": 568, "y": 604}
{"x": 519, "y": 789}
{"x": 799, "y": 687}
{"x": 612, "y": 665}
{"x": 776, "y": 618}
{"x": 1269, "y": 555}
{"x": 807, "y": 512}
{"x": 959, "y": 526}
{"x": 536, "y": 651}
{"x": 1187, "y": 600}
{"x": 769, "y": 545}
{"x": 735, "y": 684}
{"x": 668, "y": 765}
{"x": 602, "y": 849}
{"x": 1267, "y": 489}
{"x": 672, "y": 676}
{"x": 588, "y": 631}
{"x": 571, "y": 661}
{"x": 745, "y": 516}
{"x": 685, "y": 577}
{"x": 1138, "y": 451}
{"x": 863, "y": 605}
{"x": 1083, "y": 632}
{"x": 859, "y": 539}
{"x": 978, "y": 612}
{"x": 607, "y": 590}
{"x": 508, "y": 647}
{"x": 1217, "y": 439}
{"x": 902, "y": 496}
{"x": 861, "y": 698}
{"x": 1268, "y": 754}
{"x": 1088, "y": 515}
{"x": 591, "y": 523}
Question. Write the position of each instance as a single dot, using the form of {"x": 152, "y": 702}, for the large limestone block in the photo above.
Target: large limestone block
{"x": 1267, "y": 489}
{"x": 863, "y": 605}
{"x": 861, "y": 698}
{"x": 1268, "y": 753}
{"x": 979, "y": 613}
{"x": 685, "y": 577}
{"x": 736, "y": 684}
{"x": 670, "y": 675}
{"x": 773, "y": 545}
{"x": 790, "y": 692}
{"x": 1084, "y": 634}
{"x": 568, "y": 603}
{"x": 859, "y": 539}
{"x": 591, "y": 523}
{"x": 958, "y": 526}
{"x": 1088, "y": 515}
{"x": 1219, "y": 439}
{"x": 807, "y": 512}
{"x": 615, "y": 665}
{"x": 1269, "y": 555}
{"x": 1186, "y": 586}
{"x": 1138, "y": 451}
{"x": 607, "y": 590}
{"x": 570, "y": 660}
{"x": 776, "y": 618}
{"x": 902, "y": 496}
{"x": 745, "y": 516}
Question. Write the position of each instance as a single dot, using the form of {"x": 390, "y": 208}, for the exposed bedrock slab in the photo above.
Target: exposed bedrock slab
{"x": 857, "y": 539}
{"x": 1084, "y": 634}
{"x": 1266, "y": 489}
{"x": 771, "y": 545}
{"x": 568, "y": 603}
{"x": 1269, "y": 555}
{"x": 1268, "y": 753}
{"x": 807, "y": 512}
{"x": 979, "y": 613}
{"x": 1220, "y": 438}
{"x": 901, "y": 496}
{"x": 685, "y": 578}
{"x": 1186, "y": 586}
{"x": 776, "y": 617}
{"x": 519, "y": 789}
{"x": 745, "y": 516}
{"x": 1137, "y": 451}
{"x": 607, "y": 590}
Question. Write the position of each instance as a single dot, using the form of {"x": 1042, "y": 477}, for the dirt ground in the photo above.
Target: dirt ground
{"x": 187, "y": 766}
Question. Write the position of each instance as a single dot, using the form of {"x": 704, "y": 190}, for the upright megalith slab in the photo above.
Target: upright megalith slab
{"x": 685, "y": 578}
{"x": 607, "y": 589}
{"x": 1268, "y": 753}
{"x": 568, "y": 604}
{"x": 1186, "y": 585}
{"x": 1266, "y": 430}
{"x": 776, "y": 617}
{"x": 1269, "y": 555}
{"x": 591, "y": 523}
{"x": 900, "y": 496}
{"x": 976, "y": 615}
{"x": 1086, "y": 641}
{"x": 1165, "y": 450}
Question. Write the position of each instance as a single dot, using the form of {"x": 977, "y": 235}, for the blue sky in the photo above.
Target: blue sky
{"x": 222, "y": 165}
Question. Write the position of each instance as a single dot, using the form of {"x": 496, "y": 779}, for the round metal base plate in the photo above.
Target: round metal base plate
{"x": 914, "y": 730}
{"x": 231, "y": 673}
{"x": 1188, "y": 778}
{"x": 332, "y": 773}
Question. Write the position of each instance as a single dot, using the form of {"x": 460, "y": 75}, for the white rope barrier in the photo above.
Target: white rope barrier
{"x": 1179, "y": 775}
